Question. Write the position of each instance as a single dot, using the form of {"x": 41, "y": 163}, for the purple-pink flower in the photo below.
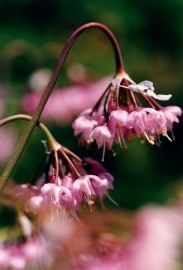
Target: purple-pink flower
{"x": 120, "y": 114}
{"x": 65, "y": 186}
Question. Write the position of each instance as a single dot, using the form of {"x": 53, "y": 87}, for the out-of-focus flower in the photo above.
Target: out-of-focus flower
{"x": 61, "y": 106}
{"x": 120, "y": 114}
{"x": 157, "y": 239}
{"x": 39, "y": 79}
{"x": 155, "y": 242}
{"x": 20, "y": 256}
{"x": 7, "y": 135}
{"x": 7, "y": 142}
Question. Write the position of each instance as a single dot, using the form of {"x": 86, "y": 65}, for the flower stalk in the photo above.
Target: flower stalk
{"x": 35, "y": 118}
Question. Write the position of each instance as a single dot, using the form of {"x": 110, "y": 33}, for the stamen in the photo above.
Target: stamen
{"x": 90, "y": 203}
{"x": 103, "y": 154}
{"x": 113, "y": 152}
{"x": 166, "y": 135}
{"x": 119, "y": 138}
{"x": 102, "y": 204}
{"x": 123, "y": 140}
{"x": 148, "y": 139}
{"x": 111, "y": 199}
{"x": 173, "y": 136}
{"x": 159, "y": 140}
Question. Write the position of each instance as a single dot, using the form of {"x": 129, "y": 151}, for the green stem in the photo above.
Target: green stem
{"x": 53, "y": 144}
{"x": 28, "y": 131}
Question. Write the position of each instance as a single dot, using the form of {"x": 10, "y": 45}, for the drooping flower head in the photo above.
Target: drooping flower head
{"x": 126, "y": 110}
{"x": 68, "y": 183}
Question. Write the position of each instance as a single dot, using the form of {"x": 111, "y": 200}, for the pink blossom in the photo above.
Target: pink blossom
{"x": 121, "y": 114}
{"x": 83, "y": 187}
{"x": 20, "y": 256}
{"x": 171, "y": 113}
{"x": 67, "y": 181}
{"x": 137, "y": 120}
{"x": 34, "y": 204}
{"x": 109, "y": 178}
{"x": 103, "y": 136}
{"x": 92, "y": 185}
{"x": 56, "y": 194}
{"x": 84, "y": 124}
{"x": 156, "y": 240}
{"x": 118, "y": 118}
{"x": 157, "y": 122}
{"x": 7, "y": 143}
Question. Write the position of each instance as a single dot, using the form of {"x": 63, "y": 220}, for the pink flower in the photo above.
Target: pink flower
{"x": 157, "y": 239}
{"x": 137, "y": 121}
{"x": 21, "y": 256}
{"x": 65, "y": 186}
{"x": 103, "y": 136}
{"x": 121, "y": 114}
{"x": 171, "y": 113}
{"x": 118, "y": 118}
{"x": 7, "y": 143}
{"x": 34, "y": 204}
{"x": 84, "y": 124}
{"x": 157, "y": 123}
{"x": 56, "y": 194}
{"x": 82, "y": 187}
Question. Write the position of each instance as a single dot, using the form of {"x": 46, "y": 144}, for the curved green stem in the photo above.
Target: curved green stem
{"x": 53, "y": 144}
{"x": 28, "y": 131}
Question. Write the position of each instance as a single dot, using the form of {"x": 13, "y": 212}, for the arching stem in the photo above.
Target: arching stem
{"x": 53, "y": 144}
{"x": 28, "y": 131}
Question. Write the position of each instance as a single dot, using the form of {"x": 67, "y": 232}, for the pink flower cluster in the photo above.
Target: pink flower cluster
{"x": 118, "y": 115}
{"x": 20, "y": 256}
{"x": 66, "y": 193}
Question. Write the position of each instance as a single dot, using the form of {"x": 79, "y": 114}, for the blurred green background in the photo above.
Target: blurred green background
{"x": 150, "y": 34}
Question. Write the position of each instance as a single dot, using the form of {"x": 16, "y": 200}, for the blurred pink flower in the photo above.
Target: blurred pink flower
{"x": 7, "y": 143}
{"x": 20, "y": 256}
{"x": 155, "y": 244}
{"x": 157, "y": 239}
{"x": 66, "y": 103}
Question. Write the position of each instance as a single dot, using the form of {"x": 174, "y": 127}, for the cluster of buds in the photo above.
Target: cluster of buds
{"x": 120, "y": 115}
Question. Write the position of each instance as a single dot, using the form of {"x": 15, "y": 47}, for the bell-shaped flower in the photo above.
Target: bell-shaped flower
{"x": 59, "y": 195}
{"x": 118, "y": 118}
{"x": 137, "y": 120}
{"x": 171, "y": 113}
{"x": 103, "y": 136}
{"x": 84, "y": 125}
{"x": 34, "y": 204}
